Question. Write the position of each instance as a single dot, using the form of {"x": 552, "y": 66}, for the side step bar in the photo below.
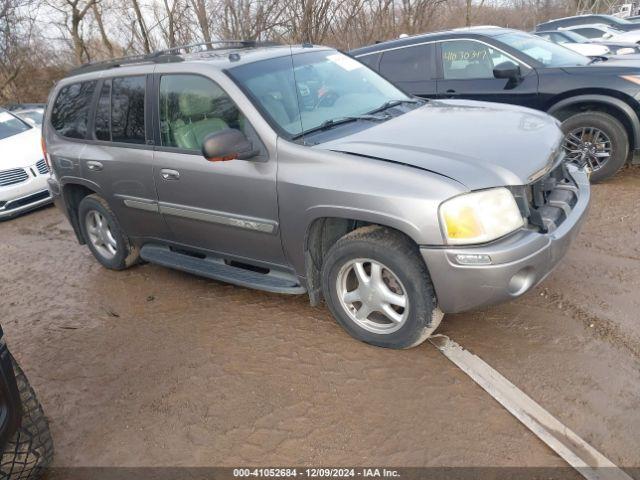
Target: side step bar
{"x": 216, "y": 269}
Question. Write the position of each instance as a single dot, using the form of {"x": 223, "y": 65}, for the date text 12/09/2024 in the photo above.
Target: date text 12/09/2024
{"x": 315, "y": 472}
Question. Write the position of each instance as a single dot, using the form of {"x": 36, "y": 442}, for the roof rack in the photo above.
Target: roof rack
{"x": 169, "y": 55}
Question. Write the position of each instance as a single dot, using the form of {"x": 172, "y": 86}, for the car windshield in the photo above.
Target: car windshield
{"x": 35, "y": 115}
{"x": 10, "y": 125}
{"x": 302, "y": 92}
{"x": 575, "y": 37}
{"x": 547, "y": 53}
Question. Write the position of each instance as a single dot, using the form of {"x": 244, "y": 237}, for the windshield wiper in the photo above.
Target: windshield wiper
{"x": 597, "y": 59}
{"x": 392, "y": 103}
{"x": 332, "y": 122}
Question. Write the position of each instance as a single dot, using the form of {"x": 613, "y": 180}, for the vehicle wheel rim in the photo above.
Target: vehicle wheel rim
{"x": 100, "y": 234}
{"x": 588, "y": 146}
{"x": 373, "y": 296}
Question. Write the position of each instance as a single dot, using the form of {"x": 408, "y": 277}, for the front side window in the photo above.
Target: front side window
{"x": 192, "y": 107}
{"x": 10, "y": 125}
{"x": 467, "y": 60}
{"x": 409, "y": 64}
{"x": 70, "y": 112}
{"x": 547, "y": 53}
{"x": 303, "y": 92}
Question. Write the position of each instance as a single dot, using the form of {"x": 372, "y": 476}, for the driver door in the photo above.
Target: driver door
{"x": 226, "y": 207}
{"x": 466, "y": 71}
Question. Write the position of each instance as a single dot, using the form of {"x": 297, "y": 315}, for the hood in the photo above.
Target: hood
{"x": 478, "y": 144}
{"x": 21, "y": 150}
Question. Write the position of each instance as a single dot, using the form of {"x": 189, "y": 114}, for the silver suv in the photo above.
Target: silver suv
{"x": 300, "y": 170}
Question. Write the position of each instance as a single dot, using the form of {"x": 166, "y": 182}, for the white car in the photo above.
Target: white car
{"x": 23, "y": 170}
{"x": 605, "y": 32}
{"x": 34, "y": 116}
{"x": 588, "y": 49}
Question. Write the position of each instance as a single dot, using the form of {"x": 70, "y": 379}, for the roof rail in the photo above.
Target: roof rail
{"x": 173, "y": 54}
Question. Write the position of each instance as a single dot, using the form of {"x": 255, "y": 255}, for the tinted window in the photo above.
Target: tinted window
{"x": 127, "y": 109}
{"x": 70, "y": 113}
{"x": 103, "y": 113}
{"x": 409, "y": 64}
{"x": 192, "y": 107}
{"x": 371, "y": 60}
{"x": 589, "y": 32}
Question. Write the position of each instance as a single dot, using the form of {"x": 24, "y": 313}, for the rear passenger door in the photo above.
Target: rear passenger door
{"x": 119, "y": 154}
{"x": 412, "y": 68}
{"x": 226, "y": 207}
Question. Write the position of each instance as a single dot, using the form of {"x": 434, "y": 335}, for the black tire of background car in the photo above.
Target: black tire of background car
{"x": 126, "y": 254}
{"x": 30, "y": 450}
{"x": 402, "y": 256}
{"x": 616, "y": 132}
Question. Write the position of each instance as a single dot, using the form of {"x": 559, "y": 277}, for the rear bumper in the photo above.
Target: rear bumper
{"x": 518, "y": 263}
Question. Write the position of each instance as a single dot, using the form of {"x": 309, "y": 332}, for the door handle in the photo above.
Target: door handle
{"x": 451, "y": 93}
{"x": 94, "y": 166}
{"x": 168, "y": 174}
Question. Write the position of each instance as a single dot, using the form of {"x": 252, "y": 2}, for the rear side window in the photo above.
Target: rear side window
{"x": 589, "y": 32}
{"x": 409, "y": 64}
{"x": 120, "y": 110}
{"x": 70, "y": 113}
{"x": 127, "y": 110}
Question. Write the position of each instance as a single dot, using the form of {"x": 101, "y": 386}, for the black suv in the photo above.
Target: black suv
{"x": 595, "y": 99}
{"x": 26, "y": 447}
{"x": 619, "y": 23}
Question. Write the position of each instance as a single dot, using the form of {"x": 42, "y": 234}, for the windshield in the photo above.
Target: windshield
{"x": 575, "y": 37}
{"x": 300, "y": 93}
{"x": 548, "y": 53}
{"x": 10, "y": 125}
{"x": 35, "y": 115}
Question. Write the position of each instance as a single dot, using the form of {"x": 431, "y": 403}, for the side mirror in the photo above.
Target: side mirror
{"x": 507, "y": 70}
{"x": 227, "y": 144}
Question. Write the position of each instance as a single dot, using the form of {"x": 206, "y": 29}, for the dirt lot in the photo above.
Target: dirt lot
{"x": 153, "y": 367}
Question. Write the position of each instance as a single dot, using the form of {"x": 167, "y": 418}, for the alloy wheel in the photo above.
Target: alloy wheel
{"x": 100, "y": 234}
{"x": 588, "y": 146}
{"x": 372, "y": 296}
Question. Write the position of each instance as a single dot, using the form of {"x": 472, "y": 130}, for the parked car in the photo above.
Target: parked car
{"x": 23, "y": 170}
{"x": 26, "y": 447}
{"x": 598, "y": 31}
{"x": 595, "y": 99}
{"x": 610, "y": 20}
{"x": 24, "y": 106}
{"x": 34, "y": 116}
{"x": 297, "y": 169}
{"x": 575, "y": 41}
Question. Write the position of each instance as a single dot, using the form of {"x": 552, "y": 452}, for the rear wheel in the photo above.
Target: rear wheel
{"x": 597, "y": 140}
{"x": 30, "y": 450}
{"x": 103, "y": 234}
{"x": 378, "y": 288}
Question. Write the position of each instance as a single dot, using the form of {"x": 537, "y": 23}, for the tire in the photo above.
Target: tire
{"x": 612, "y": 128}
{"x": 403, "y": 272}
{"x": 124, "y": 254}
{"x": 30, "y": 450}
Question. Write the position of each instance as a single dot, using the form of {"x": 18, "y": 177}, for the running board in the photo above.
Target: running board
{"x": 216, "y": 269}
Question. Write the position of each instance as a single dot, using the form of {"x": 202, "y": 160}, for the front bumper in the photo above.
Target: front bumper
{"x": 25, "y": 196}
{"x": 519, "y": 262}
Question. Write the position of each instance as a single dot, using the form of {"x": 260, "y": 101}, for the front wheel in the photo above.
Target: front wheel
{"x": 597, "y": 140}
{"x": 378, "y": 288}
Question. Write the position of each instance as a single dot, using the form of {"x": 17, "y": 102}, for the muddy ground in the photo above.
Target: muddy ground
{"x": 153, "y": 367}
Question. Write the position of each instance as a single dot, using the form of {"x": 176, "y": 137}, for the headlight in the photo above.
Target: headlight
{"x": 479, "y": 217}
{"x": 625, "y": 51}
